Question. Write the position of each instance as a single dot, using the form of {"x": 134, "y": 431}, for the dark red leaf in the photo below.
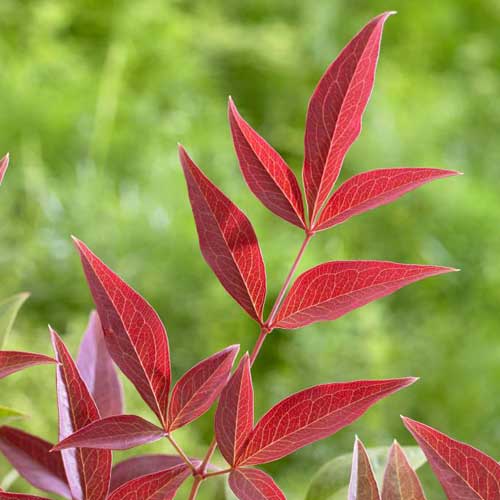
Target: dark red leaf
{"x": 135, "y": 336}
{"x": 363, "y": 485}
{"x": 311, "y": 415}
{"x": 464, "y": 472}
{"x": 118, "y": 432}
{"x": 268, "y": 176}
{"x": 14, "y": 361}
{"x": 253, "y": 484}
{"x": 4, "y": 164}
{"x": 157, "y": 486}
{"x": 197, "y": 389}
{"x": 32, "y": 459}
{"x": 332, "y": 289}
{"x": 227, "y": 240}
{"x": 19, "y": 496}
{"x": 335, "y": 112}
{"x": 373, "y": 189}
{"x": 400, "y": 480}
{"x": 234, "y": 415}
{"x": 88, "y": 471}
{"x": 97, "y": 370}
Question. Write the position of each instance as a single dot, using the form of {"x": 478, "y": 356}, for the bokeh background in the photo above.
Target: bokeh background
{"x": 94, "y": 96}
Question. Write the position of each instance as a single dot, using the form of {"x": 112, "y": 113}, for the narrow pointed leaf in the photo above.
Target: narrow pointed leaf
{"x": 8, "y": 312}
{"x": 363, "y": 485}
{"x": 372, "y": 189}
{"x": 234, "y": 415}
{"x": 8, "y": 414}
{"x": 400, "y": 480}
{"x": 19, "y": 496}
{"x": 98, "y": 371}
{"x": 14, "y": 361}
{"x": 118, "y": 432}
{"x": 161, "y": 485}
{"x": 227, "y": 240}
{"x": 333, "y": 289}
{"x": 134, "y": 334}
{"x": 88, "y": 470}
{"x": 4, "y": 164}
{"x": 196, "y": 390}
{"x": 254, "y": 484}
{"x": 311, "y": 415}
{"x": 31, "y": 458}
{"x": 335, "y": 112}
{"x": 463, "y": 471}
{"x": 268, "y": 176}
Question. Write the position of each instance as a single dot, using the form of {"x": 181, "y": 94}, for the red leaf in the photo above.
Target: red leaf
{"x": 197, "y": 389}
{"x": 135, "y": 336}
{"x": 18, "y": 496}
{"x": 372, "y": 189}
{"x": 400, "y": 480}
{"x": 311, "y": 415}
{"x": 88, "y": 471}
{"x": 363, "y": 485}
{"x": 463, "y": 471}
{"x": 31, "y": 457}
{"x": 234, "y": 415}
{"x": 119, "y": 432}
{"x": 4, "y": 164}
{"x": 268, "y": 176}
{"x": 227, "y": 240}
{"x": 335, "y": 112}
{"x": 332, "y": 289}
{"x": 14, "y": 361}
{"x": 253, "y": 484}
{"x": 160, "y": 485}
{"x": 97, "y": 370}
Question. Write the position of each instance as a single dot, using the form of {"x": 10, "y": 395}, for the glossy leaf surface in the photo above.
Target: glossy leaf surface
{"x": 8, "y": 312}
{"x": 362, "y": 485}
{"x": 254, "y": 484}
{"x": 14, "y": 361}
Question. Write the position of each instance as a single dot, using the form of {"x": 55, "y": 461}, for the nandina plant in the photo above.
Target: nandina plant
{"x": 126, "y": 331}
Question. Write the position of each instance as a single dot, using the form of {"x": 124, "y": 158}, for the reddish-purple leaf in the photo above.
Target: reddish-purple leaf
{"x": 4, "y": 164}
{"x": 88, "y": 470}
{"x": 98, "y": 371}
{"x": 254, "y": 484}
{"x": 118, "y": 432}
{"x": 464, "y": 472}
{"x": 234, "y": 415}
{"x": 31, "y": 457}
{"x": 373, "y": 189}
{"x": 135, "y": 336}
{"x": 198, "y": 388}
{"x": 227, "y": 240}
{"x": 19, "y": 496}
{"x": 14, "y": 361}
{"x": 268, "y": 176}
{"x": 311, "y": 415}
{"x": 363, "y": 485}
{"x": 161, "y": 485}
{"x": 332, "y": 289}
{"x": 400, "y": 480}
{"x": 335, "y": 112}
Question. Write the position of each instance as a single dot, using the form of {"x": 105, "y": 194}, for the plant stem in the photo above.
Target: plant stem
{"x": 195, "y": 488}
{"x": 181, "y": 453}
{"x": 218, "y": 473}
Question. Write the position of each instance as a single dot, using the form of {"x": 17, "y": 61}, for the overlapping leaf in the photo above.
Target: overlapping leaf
{"x": 227, "y": 240}
{"x": 254, "y": 484}
{"x": 363, "y": 485}
{"x": 134, "y": 334}
{"x": 4, "y": 164}
{"x": 8, "y": 312}
{"x": 332, "y": 289}
{"x": 14, "y": 361}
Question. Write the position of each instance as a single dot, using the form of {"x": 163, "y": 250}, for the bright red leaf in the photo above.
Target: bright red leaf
{"x": 4, "y": 164}
{"x": 335, "y": 112}
{"x": 254, "y": 484}
{"x": 363, "y": 485}
{"x": 372, "y": 189}
{"x": 464, "y": 472}
{"x": 332, "y": 289}
{"x": 268, "y": 176}
{"x": 227, "y": 240}
{"x": 19, "y": 496}
{"x": 32, "y": 459}
{"x": 97, "y": 370}
{"x": 76, "y": 410}
{"x": 196, "y": 390}
{"x": 134, "y": 334}
{"x": 118, "y": 432}
{"x": 14, "y": 361}
{"x": 234, "y": 415}
{"x": 311, "y": 415}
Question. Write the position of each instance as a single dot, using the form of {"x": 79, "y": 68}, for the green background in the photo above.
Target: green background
{"x": 94, "y": 96}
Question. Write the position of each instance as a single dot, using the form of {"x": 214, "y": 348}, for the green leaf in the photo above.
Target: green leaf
{"x": 7, "y": 414}
{"x": 8, "y": 312}
{"x": 331, "y": 482}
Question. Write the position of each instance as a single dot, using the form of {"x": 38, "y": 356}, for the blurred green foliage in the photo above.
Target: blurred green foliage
{"x": 94, "y": 96}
